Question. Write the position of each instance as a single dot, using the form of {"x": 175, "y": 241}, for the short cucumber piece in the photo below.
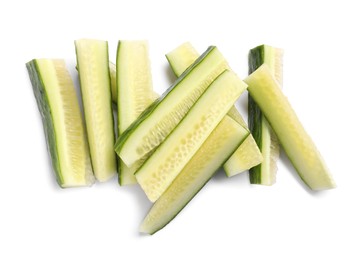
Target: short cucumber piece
{"x": 134, "y": 91}
{"x": 157, "y": 121}
{"x": 264, "y": 173}
{"x": 297, "y": 144}
{"x": 62, "y": 121}
{"x": 224, "y": 139}
{"x": 94, "y": 75}
{"x": 161, "y": 168}
{"x": 248, "y": 154}
{"x": 182, "y": 57}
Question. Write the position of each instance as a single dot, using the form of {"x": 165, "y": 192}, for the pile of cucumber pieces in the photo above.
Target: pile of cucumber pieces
{"x": 172, "y": 144}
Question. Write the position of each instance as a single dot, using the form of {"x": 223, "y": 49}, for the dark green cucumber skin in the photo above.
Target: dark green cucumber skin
{"x": 46, "y": 115}
{"x": 149, "y": 110}
{"x": 214, "y": 171}
{"x": 255, "y": 60}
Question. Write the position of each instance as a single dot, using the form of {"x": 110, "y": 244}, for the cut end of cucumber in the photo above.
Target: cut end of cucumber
{"x": 181, "y": 58}
{"x": 245, "y": 157}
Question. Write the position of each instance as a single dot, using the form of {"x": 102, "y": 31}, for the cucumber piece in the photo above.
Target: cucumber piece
{"x": 224, "y": 139}
{"x": 94, "y": 75}
{"x": 248, "y": 154}
{"x": 161, "y": 168}
{"x": 62, "y": 122}
{"x": 302, "y": 152}
{"x": 264, "y": 173}
{"x": 181, "y": 58}
{"x": 157, "y": 121}
{"x": 134, "y": 91}
{"x": 112, "y": 67}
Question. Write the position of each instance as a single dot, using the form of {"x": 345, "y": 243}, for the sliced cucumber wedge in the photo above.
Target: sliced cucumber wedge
{"x": 302, "y": 152}
{"x": 157, "y": 121}
{"x": 62, "y": 122}
{"x": 161, "y": 168}
{"x": 264, "y": 173}
{"x": 134, "y": 91}
{"x": 248, "y": 154}
{"x": 224, "y": 139}
{"x": 94, "y": 75}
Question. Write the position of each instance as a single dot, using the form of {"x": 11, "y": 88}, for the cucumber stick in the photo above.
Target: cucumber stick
{"x": 264, "y": 173}
{"x": 302, "y": 152}
{"x": 159, "y": 119}
{"x": 248, "y": 154}
{"x": 161, "y": 168}
{"x": 224, "y": 139}
{"x": 94, "y": 75}
{"x": 62, "y": 121}
{"x": 134, "y": 92}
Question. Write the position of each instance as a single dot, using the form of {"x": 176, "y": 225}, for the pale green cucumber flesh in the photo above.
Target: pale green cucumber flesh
{"x": 224, "y": 139}
{"x": 247, "y": 155}
{"x": 171, "y": 156}
{"x": 181, "y": 58}
{"x": 264, "y": 173}
{"x": 160, "y": 118}
{"x": 62, "y": 122}
{"x": 297, "y": 144}
{"x": 94, "y": 76}
{"x": 134, "y": 92}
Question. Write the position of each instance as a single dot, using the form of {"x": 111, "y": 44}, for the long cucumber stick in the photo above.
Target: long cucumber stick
{"x": 62, "y": 122}
{"x": 247, "y": 154}
{"x": 299, "y": 147}
{"x": 158, "y": 120}
{"x": 217, "y": 148}
{"x": 264, "y": 173}
{"x": 134, "y": 92}
{"x": 94, "y": 75}
{"x": 162, "y": 167}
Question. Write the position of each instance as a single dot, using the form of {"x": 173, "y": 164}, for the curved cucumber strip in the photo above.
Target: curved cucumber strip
{"x": 159, "y": 119}
{"x": 297, "y": 144}
{"x": 158, "y": 172}
{"x": 264, "y": 173}
{"x": 134, "y": 91}
{"x": 62, "y": 121}
{"x": 94, "y": 75}
{"x": 247, "y": 154}
{"x": 224, "y": 139}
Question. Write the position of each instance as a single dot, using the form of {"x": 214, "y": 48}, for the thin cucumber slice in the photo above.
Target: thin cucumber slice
{"x": 248, "y": 154}
{"x": 264, "y": 173}
{"x": 62, "y": 122}
{"x": 157, "y": 121}
{"x": 224, "y": 139}
{"x": 297, "y": 144}
{"x": 134, "y": 91}
{"x": 94, "y": 75}
{"x": 161, "y": 168}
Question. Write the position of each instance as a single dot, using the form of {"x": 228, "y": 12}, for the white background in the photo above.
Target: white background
{"x": 229, "y": 218}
